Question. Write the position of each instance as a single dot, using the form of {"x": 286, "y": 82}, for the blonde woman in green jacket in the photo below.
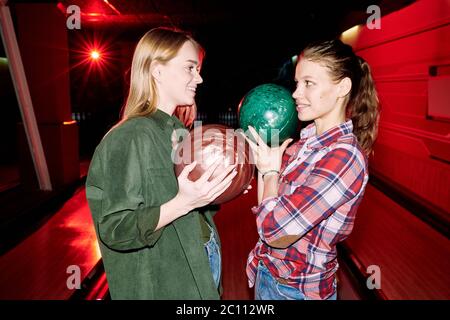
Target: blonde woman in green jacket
{"x": 155, "y": 242}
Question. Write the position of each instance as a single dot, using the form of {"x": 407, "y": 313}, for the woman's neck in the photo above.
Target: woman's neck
{"x": 168, "y": 110}
{"x": 323, "y": 125}
{"x": 331, "y": 119}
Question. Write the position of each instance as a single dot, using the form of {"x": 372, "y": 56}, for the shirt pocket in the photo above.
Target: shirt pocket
{"x": 162, "y": 185}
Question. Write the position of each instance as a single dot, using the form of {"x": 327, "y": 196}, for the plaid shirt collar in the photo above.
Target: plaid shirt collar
{"x": 326, "y": 138}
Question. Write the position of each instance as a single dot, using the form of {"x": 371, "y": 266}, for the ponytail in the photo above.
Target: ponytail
{"x": 363, "y": 109}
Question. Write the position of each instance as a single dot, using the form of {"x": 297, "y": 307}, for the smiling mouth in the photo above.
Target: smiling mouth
{"x": 193, "y": 89}
{"x": 301, "y": 107}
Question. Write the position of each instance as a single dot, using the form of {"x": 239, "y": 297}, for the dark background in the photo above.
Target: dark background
{"x": 247, "y": 43}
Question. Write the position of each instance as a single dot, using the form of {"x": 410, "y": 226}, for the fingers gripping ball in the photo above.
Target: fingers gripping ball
{"x": 205, "y": 144}
{"x": 271, "y": 110}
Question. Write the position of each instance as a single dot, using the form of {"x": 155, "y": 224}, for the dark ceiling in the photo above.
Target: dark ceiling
{"x": 202, "y": 13}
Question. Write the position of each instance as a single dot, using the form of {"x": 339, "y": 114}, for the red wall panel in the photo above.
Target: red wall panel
{"x": 413, "y": 149}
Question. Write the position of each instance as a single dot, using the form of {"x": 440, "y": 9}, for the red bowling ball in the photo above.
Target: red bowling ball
{"x": 205, "y": 144}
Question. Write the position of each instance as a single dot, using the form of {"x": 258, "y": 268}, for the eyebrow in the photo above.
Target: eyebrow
{"x": 192, "y": 61}
{"x": 307, "y": 77}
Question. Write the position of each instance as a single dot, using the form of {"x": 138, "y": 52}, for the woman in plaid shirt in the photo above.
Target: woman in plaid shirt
{"x": 308, "y": 194}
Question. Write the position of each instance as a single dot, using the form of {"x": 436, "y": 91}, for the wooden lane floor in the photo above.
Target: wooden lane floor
{"x": 41, "y": 265}
{"x": 413, "y": 258}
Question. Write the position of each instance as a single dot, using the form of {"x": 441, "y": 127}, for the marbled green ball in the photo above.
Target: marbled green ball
{"x": 268, "y": 108}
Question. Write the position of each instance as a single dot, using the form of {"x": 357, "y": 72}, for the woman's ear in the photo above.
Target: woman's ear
{"x": 345, "y": 85}
{"x": 155, "y": 70}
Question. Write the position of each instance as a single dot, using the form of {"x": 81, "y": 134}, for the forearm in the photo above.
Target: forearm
{"x": 172, "y": 210}
{"x": 270, "y": 186}
{"x": 267, "y": 186}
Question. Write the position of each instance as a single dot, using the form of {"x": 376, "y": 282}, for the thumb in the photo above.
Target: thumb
{"x": 187, "y": 169}
{"x": 285, "y": 144}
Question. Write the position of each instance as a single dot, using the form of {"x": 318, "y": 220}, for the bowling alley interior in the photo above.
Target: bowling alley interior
{"x": 64, "y": 79}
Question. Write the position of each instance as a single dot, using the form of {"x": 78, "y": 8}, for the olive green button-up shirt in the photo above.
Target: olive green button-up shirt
{"x": 131, "y": 175}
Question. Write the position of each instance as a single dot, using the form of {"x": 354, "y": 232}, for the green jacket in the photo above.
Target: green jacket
{"x": 131, "y": 175}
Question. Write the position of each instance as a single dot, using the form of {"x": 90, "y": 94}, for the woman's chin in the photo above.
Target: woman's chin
{"x": 188, "y": 102}
{"x": 302, "y": 117}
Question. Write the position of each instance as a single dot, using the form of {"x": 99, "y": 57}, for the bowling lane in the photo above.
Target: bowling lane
{"x": 37, "y": 267}
{"x": 411, "y": 255}
{"x": 237, "y": 228}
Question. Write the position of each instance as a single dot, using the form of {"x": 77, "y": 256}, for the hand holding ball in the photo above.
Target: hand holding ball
{"x": 209, "y": 143}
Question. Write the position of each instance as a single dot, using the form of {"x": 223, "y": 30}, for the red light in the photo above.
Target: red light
{"x": 95, "y": 55}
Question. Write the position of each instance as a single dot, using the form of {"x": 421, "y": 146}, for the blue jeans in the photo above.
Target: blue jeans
{"x": 268, "y": 288}
{"x": 213, "y": 252}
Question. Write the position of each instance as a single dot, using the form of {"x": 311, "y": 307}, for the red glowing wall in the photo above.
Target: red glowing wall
{"x": 408, "y": 56}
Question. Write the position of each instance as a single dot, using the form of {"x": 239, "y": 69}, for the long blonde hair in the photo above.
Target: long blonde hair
{"x": 362, "y": 104}
{"x": 157, "y": 45}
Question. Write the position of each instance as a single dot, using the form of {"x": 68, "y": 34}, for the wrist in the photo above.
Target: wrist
{"x": 179, "y": 205}
{"x": 271, "y": 172}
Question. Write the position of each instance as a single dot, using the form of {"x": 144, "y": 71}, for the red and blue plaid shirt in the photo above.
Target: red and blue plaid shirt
{"x": 321, "y": 185}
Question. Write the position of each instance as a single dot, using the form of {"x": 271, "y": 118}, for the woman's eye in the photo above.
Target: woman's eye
{"x": 308, "y": 83}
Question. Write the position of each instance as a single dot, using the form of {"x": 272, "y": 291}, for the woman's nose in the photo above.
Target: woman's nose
{"x": 198, "y": 78}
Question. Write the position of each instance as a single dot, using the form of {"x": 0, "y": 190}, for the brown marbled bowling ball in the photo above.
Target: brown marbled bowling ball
{"x": 205, "y": 144}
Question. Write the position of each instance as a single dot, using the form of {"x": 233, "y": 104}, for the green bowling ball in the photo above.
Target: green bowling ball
{"x": 271, "y": 110}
